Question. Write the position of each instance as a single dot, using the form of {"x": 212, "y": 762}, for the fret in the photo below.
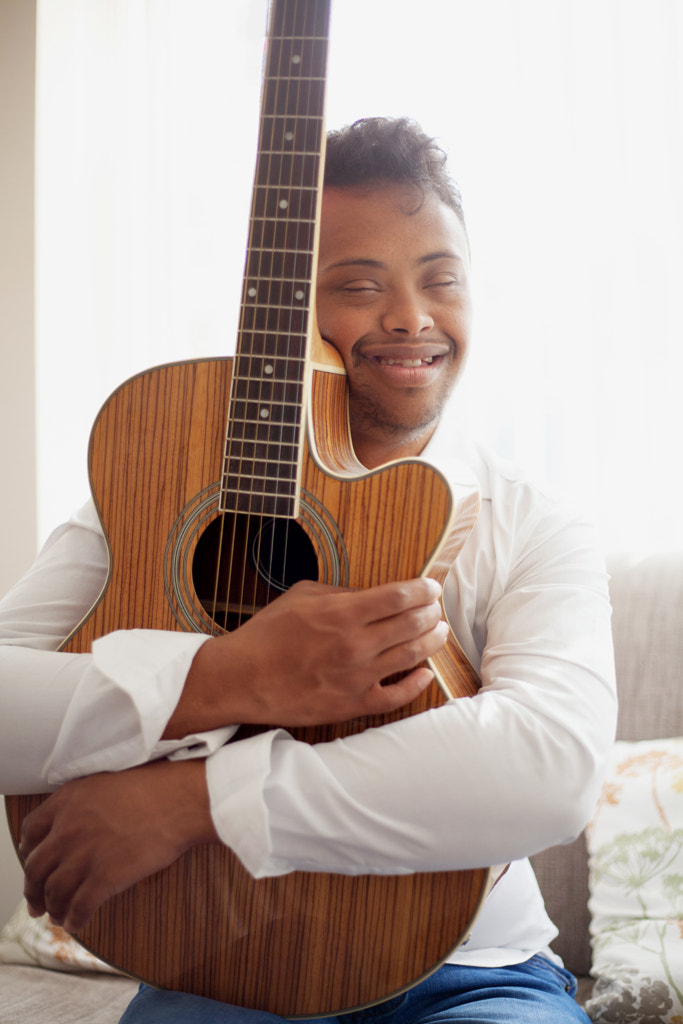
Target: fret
{"x": 289, "y": 152}
{"x": 235, "y": 467}
{"x": 273, "y": 506}
{"x": 282, "y": 217}
{"x": 261, "y": 343}
{"x": 279, "y": 306}
{"x": 289, "y": 322}
{"x": 264, "y": 340}
{"x": 269, "y": 201}
{"x": 286, "y": 252}
{"x": 269, "y": 365}
{"x": 258, "y": 381}
{"x": 286, "y": 488}
{"x": 259, "y": 486}
{"x": 297, "y": 134}
{"x": 298, "y": 38}
{"x": 252, "y": 410}
{"x": 287, "y": 79}
{"x": 276, "y": 293}
{"x": 306, "y": 95}
{"x": 271, "y": 414}
{"x": 264, "y": 431}
{"x": 266, "y": 389}
{"x": 285, "y": 234}
{"x": 288, "y": 171}
{"x": 296, "y": 266}
{"x": 266, "y": 451}
{"x": 291, "y": 161}
{"x": 300, "y": 116}
{"x": 299, "y": 18}
{"x": 280, "y": 186}
{"x": 271, "y": 379}
{"x": 273, "y": 279}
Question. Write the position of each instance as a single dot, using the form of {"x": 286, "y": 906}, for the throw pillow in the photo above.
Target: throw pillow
{"x": 36, "y": 941}
{"x": 635, "y": 846}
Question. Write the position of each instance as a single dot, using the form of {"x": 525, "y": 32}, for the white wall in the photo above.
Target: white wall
{"x": 17, "y": 408}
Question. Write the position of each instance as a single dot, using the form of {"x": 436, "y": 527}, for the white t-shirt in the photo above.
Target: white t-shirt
{"x": 483, "y": 780}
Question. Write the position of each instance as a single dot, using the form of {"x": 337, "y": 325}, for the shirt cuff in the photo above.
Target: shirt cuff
{"x": 236, "y": 777}
{"x": 123, "y": 703}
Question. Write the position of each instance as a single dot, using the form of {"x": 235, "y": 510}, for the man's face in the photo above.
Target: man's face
{"x": 393, "y": 298}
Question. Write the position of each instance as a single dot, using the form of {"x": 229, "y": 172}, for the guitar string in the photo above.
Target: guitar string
{"x": 280, "y": 225}
{"x": 265, "y": 284}
{"x": 279, "y": 229}
{"x": 234, "y": 466}
{"x": 292, "y": 288}
{"x": 278, "y": 221}
{"x": 303, "y": 52}
{"x": 290, "y": 51}
{"x": 259, "y": 211}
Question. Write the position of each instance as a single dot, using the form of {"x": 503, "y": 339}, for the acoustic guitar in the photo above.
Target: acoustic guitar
{"x": 219, "y": 483}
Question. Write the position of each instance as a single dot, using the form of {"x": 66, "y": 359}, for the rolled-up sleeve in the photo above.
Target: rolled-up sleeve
{"x": 65, "y": 715}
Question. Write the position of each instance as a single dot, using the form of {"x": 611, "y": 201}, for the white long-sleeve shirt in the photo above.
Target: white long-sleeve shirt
{"x": 479, "y": 781}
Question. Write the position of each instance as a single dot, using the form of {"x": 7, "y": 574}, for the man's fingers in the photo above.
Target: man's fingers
{"x": 404, "y": 628}
{"x": 35, "y": 827}
{"x": 384, "y": 699}
{"x": 408, "y": 654}
{"x": 390, "y": 599}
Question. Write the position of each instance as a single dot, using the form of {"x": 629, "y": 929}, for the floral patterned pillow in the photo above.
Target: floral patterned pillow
{"x": 635, "y": 846}
{"x": 36, "y": 941}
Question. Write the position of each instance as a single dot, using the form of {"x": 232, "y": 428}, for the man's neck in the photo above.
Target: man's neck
{"x": 373, "y": 452}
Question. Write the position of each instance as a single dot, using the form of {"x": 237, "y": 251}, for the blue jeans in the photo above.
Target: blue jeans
{"x": 535, "y": 992}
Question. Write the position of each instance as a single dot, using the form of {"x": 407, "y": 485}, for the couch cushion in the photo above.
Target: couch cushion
{"x": 33, "y": 995}
{"x": 39, "y": 942}
{"x": 647, "y": 622}
{"x": 635, "y": 844}
{"x": 647, "y": 598}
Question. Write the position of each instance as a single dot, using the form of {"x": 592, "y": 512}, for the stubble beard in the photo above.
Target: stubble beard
{"x": 398, "y": 424}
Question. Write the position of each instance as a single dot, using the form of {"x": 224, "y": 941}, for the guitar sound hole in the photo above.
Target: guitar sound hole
{"x": 243, "y": 562}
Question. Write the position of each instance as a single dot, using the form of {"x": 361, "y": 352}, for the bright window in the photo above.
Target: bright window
{"x": 564, "y": 124}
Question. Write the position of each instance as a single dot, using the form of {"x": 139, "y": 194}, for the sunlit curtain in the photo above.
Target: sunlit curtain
{"x": 564, "y": 122}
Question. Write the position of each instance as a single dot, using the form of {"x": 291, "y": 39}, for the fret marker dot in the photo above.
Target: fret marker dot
{"x": 298, "y": 295}
{"x": 283, "y": 204}
{"x": 264, "y": 414}
{"x": 296, "y": 59}
{"x": 251, "y": 293}
{"x": 289, "y": 136}
{"x": 268, "y": 368}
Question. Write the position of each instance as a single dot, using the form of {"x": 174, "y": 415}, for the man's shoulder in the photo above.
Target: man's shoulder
{"x": 458, "y": 453}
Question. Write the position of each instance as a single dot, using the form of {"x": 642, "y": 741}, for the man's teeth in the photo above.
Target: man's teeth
{"x": 407, "y": 363}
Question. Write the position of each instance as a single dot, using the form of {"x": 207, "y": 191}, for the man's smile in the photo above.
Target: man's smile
{"x": 408, "y": 365}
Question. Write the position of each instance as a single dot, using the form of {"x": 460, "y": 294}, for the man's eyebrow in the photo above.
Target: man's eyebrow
{"x": 360, "y": 262}
{"x": 444, "y": 254}
{"x": 378, "y": 265}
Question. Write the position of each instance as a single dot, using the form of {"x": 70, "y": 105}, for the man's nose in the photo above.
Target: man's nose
{"x": 407, "y": 315}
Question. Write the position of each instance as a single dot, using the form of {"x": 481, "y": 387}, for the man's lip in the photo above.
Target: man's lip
{"x": 396, "y": 354}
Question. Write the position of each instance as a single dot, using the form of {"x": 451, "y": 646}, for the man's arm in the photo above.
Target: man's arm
{"x": 141, "y": 696}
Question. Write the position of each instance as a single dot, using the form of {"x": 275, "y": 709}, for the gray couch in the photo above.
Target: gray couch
{"x": 647, "y": 595}
{"x": 647, "y": 598}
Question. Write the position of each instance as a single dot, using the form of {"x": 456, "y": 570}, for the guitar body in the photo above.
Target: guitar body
{"x": 305, "y": 944}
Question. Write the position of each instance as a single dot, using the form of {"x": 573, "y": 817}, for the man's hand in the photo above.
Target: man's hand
{"x": 99, "y": 835}
{"x": 316, "y": 655}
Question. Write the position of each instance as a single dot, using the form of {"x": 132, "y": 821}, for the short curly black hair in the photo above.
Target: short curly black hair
{"x": 383, "y": 149}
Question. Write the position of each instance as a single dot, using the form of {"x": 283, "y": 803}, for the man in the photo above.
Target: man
{"x": 483, "y": 781}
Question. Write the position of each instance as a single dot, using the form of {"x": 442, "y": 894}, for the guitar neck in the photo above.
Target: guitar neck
{"x": 265, "y": 431}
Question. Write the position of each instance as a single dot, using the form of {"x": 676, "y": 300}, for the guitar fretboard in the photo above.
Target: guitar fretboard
{"x": 265, "y": 428}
